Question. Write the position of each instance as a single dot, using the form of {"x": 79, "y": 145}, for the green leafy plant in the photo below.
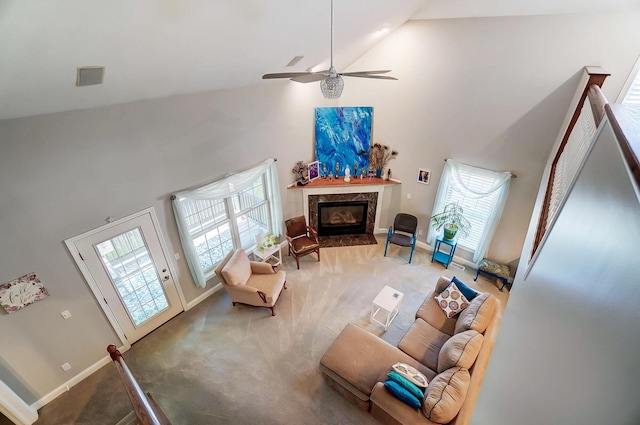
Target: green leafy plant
{"x": 452, "y": 219}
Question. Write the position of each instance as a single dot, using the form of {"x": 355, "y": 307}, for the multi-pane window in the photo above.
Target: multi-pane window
{"x": 217, "y": 226}
{"x": 477, "y": 209}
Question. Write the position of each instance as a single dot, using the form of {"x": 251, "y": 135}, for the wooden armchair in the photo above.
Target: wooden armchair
{"x": 302, "y": 239}
{"x": 250, "y": 282}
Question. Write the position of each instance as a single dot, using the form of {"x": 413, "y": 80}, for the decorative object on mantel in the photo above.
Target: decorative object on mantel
{"x": 314, "y": 170}
{"x": 21, "y": 292}
{"x": 424, "y": 176}
{"x": 347, "y": 174}
{"x": 379, "y": 157}
{"x": 343, "y": 135}
{"x": 300, "y": 170}
{"x": 388, "y": 174}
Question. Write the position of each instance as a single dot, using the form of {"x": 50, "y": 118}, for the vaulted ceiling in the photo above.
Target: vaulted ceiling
{"x": 158, "y": 48}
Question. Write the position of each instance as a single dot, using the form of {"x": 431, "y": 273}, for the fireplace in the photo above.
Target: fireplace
{"x": 342, "y": 218}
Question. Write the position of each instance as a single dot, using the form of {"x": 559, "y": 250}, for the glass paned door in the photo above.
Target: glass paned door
{"x": 126, "y": 267}
{"x": 128, "y": 262}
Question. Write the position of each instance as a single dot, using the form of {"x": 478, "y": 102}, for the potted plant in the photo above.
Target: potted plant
{"x": 452, "y": 219}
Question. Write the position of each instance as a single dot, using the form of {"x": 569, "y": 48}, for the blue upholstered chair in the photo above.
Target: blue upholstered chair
{"x": 403, "y": 232}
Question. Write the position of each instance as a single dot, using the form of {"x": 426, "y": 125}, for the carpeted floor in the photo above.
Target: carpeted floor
{"x": 218, "y": 364}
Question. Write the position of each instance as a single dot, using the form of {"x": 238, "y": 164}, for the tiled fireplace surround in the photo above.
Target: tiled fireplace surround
{"x": 372, "y": 193}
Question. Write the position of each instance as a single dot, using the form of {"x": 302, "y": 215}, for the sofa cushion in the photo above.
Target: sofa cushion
{"x": 451, "y": 300}
{"x": 431, "y": 313}
{"x": 388, "y": 410}
{"x": 423, "y": 342}
{"x": 460, "y": 350}
{"x": 402, "y": 394}
{"x": 478, "y": 314}
{"x": 445, "y": 395}
{"x": 238, "y": 269}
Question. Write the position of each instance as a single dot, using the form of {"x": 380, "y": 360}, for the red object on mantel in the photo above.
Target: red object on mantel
{"x": 339, "y": 182}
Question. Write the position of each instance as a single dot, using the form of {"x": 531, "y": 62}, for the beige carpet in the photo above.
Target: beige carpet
{"x": 218, "y": 364}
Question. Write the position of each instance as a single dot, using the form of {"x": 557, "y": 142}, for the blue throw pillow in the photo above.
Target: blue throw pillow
{"x": 468, "y": 293}
{"x": 401, "y": 394}
{"x": 406, "y": 384}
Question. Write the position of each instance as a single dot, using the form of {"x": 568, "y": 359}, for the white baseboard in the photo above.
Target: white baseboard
{"x": 203, "y": 297}
{"x": 73, "y": 381}
{"x": 106, "y": 360}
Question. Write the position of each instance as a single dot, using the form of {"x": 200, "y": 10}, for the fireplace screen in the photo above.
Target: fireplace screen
{"x": 342, "y": 218}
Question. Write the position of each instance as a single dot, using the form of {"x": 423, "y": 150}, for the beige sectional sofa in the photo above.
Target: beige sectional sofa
{"x": 451, "y": 352}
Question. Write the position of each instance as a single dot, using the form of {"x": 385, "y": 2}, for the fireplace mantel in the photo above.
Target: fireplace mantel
{"x": 339, "y": 186}
{"x": 339, "y": 182}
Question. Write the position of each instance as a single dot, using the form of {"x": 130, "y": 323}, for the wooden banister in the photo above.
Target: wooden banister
{"x": 147, "y": 411}
{"x": 596, "y": 77}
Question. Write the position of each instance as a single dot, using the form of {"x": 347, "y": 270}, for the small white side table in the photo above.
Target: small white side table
{"x": 387, "y": 302}
{"x": 271, "y": 255}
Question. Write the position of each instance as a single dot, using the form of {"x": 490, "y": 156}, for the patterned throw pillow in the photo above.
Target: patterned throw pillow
{"x": 451, "y": 300}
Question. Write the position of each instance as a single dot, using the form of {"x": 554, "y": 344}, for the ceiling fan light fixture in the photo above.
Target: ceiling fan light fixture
{"x": 332, "y": 87}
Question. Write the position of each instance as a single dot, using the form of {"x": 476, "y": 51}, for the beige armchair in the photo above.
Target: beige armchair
{"x": 250, "y": 282}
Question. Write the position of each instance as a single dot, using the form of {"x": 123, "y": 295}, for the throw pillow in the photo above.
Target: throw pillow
{"x": 462, "y": 349}
{"x": 451, "y": 300}
{"x": 401, "y": 394}
{"x": 469, "y": 293}
{"x": 445, "y": 395}
{"x": 478, "y": 315}
{"x": 406, "y": 384}
{"x": 411, "y": 373}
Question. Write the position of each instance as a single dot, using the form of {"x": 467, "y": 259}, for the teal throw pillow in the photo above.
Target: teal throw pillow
{"x": 406, "y": 384}
{"x": 401, "y": 394}
{"x": 468, "y": 293}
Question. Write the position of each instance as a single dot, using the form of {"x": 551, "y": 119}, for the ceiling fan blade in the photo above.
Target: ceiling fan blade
{"x": 285, "y": 75}
{"x": 366, "y": 72}
{"x": 309, "y": 78}
{"x": 379, "y": 77}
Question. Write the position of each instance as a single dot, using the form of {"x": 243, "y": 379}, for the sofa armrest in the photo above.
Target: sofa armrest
{"x": 261, "y": 268}
{"x": 389, "y": 410}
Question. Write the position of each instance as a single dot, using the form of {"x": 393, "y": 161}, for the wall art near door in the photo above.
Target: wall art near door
{"x": 21, "y": 292}
{"x": 343, "y": 136}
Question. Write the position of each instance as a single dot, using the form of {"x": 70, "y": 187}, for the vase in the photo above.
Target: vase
{"x": 378, "y": 172}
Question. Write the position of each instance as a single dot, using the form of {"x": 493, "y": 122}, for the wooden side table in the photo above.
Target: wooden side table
{"x": 445, "y": 257}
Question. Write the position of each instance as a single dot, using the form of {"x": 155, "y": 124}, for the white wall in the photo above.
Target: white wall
{"x": 567, "y": 352}
{"x": 491, "y": 92}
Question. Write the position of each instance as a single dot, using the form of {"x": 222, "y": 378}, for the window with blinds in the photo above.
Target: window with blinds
{"x": 633, "y": 94}
{"x": 570, "y": 159}
{"x": 477, "y": 209}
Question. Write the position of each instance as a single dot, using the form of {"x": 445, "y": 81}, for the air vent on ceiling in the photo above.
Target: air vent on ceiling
{"x": 89, "y": 76}
{"x": 295, "y": 61}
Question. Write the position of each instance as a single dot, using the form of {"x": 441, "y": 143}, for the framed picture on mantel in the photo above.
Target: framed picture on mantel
{"x": 314, "y": 170}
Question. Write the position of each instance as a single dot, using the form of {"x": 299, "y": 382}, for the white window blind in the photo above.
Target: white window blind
{"x": 633, "y": 94}
{"x": 574, "y": 152}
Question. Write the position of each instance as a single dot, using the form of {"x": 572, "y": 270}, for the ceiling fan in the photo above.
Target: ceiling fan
{"x": 331, "y": 82}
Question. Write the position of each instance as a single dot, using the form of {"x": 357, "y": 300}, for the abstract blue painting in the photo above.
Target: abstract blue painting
{"x": 343, "y": 137}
